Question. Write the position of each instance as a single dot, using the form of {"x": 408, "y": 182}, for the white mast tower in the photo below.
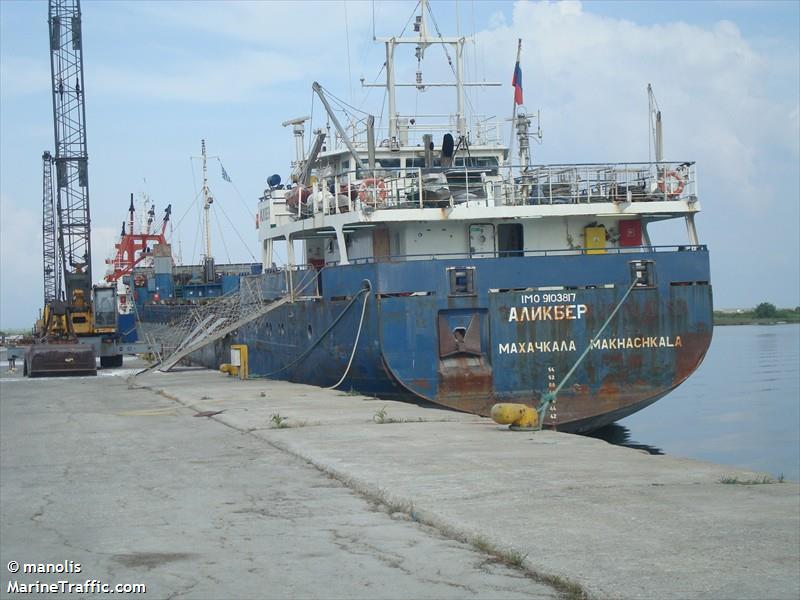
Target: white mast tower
{"x": 422, "y": 41}
{"x": 208, "y": 200}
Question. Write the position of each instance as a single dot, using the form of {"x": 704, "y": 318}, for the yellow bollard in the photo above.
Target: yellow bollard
{"x": 519, "y": 417}
{"x": 239, "y": 359}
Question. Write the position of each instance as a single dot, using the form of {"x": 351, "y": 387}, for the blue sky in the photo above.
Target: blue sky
{"x": 162, "y": 75}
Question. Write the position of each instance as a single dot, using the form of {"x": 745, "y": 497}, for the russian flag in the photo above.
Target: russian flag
{"x": 517, "y": 83}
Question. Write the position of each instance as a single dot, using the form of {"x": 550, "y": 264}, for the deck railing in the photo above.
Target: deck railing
{"x": 494, "y": 186}
{"x": 524, "y": 253}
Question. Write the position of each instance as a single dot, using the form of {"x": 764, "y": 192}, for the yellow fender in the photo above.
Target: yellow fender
{"x": 519, "y": 417}
{"x": 229, "y": 369}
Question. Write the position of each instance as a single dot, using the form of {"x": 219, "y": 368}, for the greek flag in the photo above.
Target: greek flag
{"x": 225, "y": 175}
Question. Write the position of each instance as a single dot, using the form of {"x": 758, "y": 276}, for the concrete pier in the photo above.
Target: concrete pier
{"x": 548, "y": 514}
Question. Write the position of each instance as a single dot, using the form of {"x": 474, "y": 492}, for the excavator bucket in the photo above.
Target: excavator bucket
{"x": 60, "y": 359}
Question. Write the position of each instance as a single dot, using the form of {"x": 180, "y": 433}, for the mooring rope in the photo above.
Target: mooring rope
{"x": 355, "y": 344}
{"x": 308, "y": 350}
{"x": 549, "y": 397}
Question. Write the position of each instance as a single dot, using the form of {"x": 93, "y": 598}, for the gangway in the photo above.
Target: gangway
{"x": 211, "y": 322}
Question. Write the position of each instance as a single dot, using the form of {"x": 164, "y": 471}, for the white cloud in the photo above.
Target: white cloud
{"x": 103, "y": 240}
{"x": 21, "y": 276}
{"x": 238, "y": 77}
{"x": 20, "y": 76}
{"x": 293, "y": 26}
{"x": 267, "y": 45}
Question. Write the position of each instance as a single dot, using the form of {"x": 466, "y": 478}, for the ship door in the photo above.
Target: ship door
{"x": 465, "y": 374}
{"x": 481, "y": 240}
{"x": 380, "y": 244}
{"x": 510, "y": 240}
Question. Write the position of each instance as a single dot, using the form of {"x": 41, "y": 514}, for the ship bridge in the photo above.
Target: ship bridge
{"x": 478, "y": 206}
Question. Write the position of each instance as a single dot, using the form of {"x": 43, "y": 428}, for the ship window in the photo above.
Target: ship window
{"x": 281, "y": 329}
{"x": 388, "y": 163}
{"x": 105, "y": 307}
{"x": 419, "y": 163}
{"x": 309, "y": 331}
{"x": 461, "y": 280}
{"x": 510, "y": 239}
{"x": 476, "y": 161}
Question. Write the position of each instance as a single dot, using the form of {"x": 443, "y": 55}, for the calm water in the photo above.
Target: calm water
{"x": 741, "y": 407}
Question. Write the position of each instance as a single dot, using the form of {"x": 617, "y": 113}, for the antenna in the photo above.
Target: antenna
{"x": 299, "y": 130}
{"x": 421, "y": 41}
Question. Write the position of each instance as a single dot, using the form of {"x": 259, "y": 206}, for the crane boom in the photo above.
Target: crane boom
{"x": 50, "y": 254}
{"x": 71, "y": 157}
{"x": 83, "y": 324}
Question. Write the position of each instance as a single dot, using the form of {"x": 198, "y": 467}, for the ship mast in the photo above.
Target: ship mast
{"x": 655, "y": 124}
{"x": 208, "y": 200}
{"x": 421, "y": 42}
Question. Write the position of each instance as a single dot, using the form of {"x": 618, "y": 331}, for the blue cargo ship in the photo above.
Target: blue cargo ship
{"x": 426, "y": 264}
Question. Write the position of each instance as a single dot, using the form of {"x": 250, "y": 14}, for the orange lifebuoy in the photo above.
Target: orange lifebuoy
{"x": 662, "y": 184}
{"x": 369, "y": 187}
{"x": 257, "y": 221}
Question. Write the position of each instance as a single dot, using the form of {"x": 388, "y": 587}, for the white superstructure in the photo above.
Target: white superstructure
{"x": 444, "y": 185}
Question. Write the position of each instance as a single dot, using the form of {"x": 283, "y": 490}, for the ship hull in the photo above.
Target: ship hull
{"x": 468, "y": 333}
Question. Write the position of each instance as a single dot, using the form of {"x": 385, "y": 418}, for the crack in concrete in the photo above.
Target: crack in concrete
{"x": 378, "y": 496}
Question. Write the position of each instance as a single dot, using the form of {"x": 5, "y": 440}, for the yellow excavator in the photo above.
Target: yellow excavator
{"x": 79, "y": 321}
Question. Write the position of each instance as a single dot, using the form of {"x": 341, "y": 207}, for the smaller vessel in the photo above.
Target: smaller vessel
{"x": 153, "y": 287}
{"x": 137, "y": 246}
